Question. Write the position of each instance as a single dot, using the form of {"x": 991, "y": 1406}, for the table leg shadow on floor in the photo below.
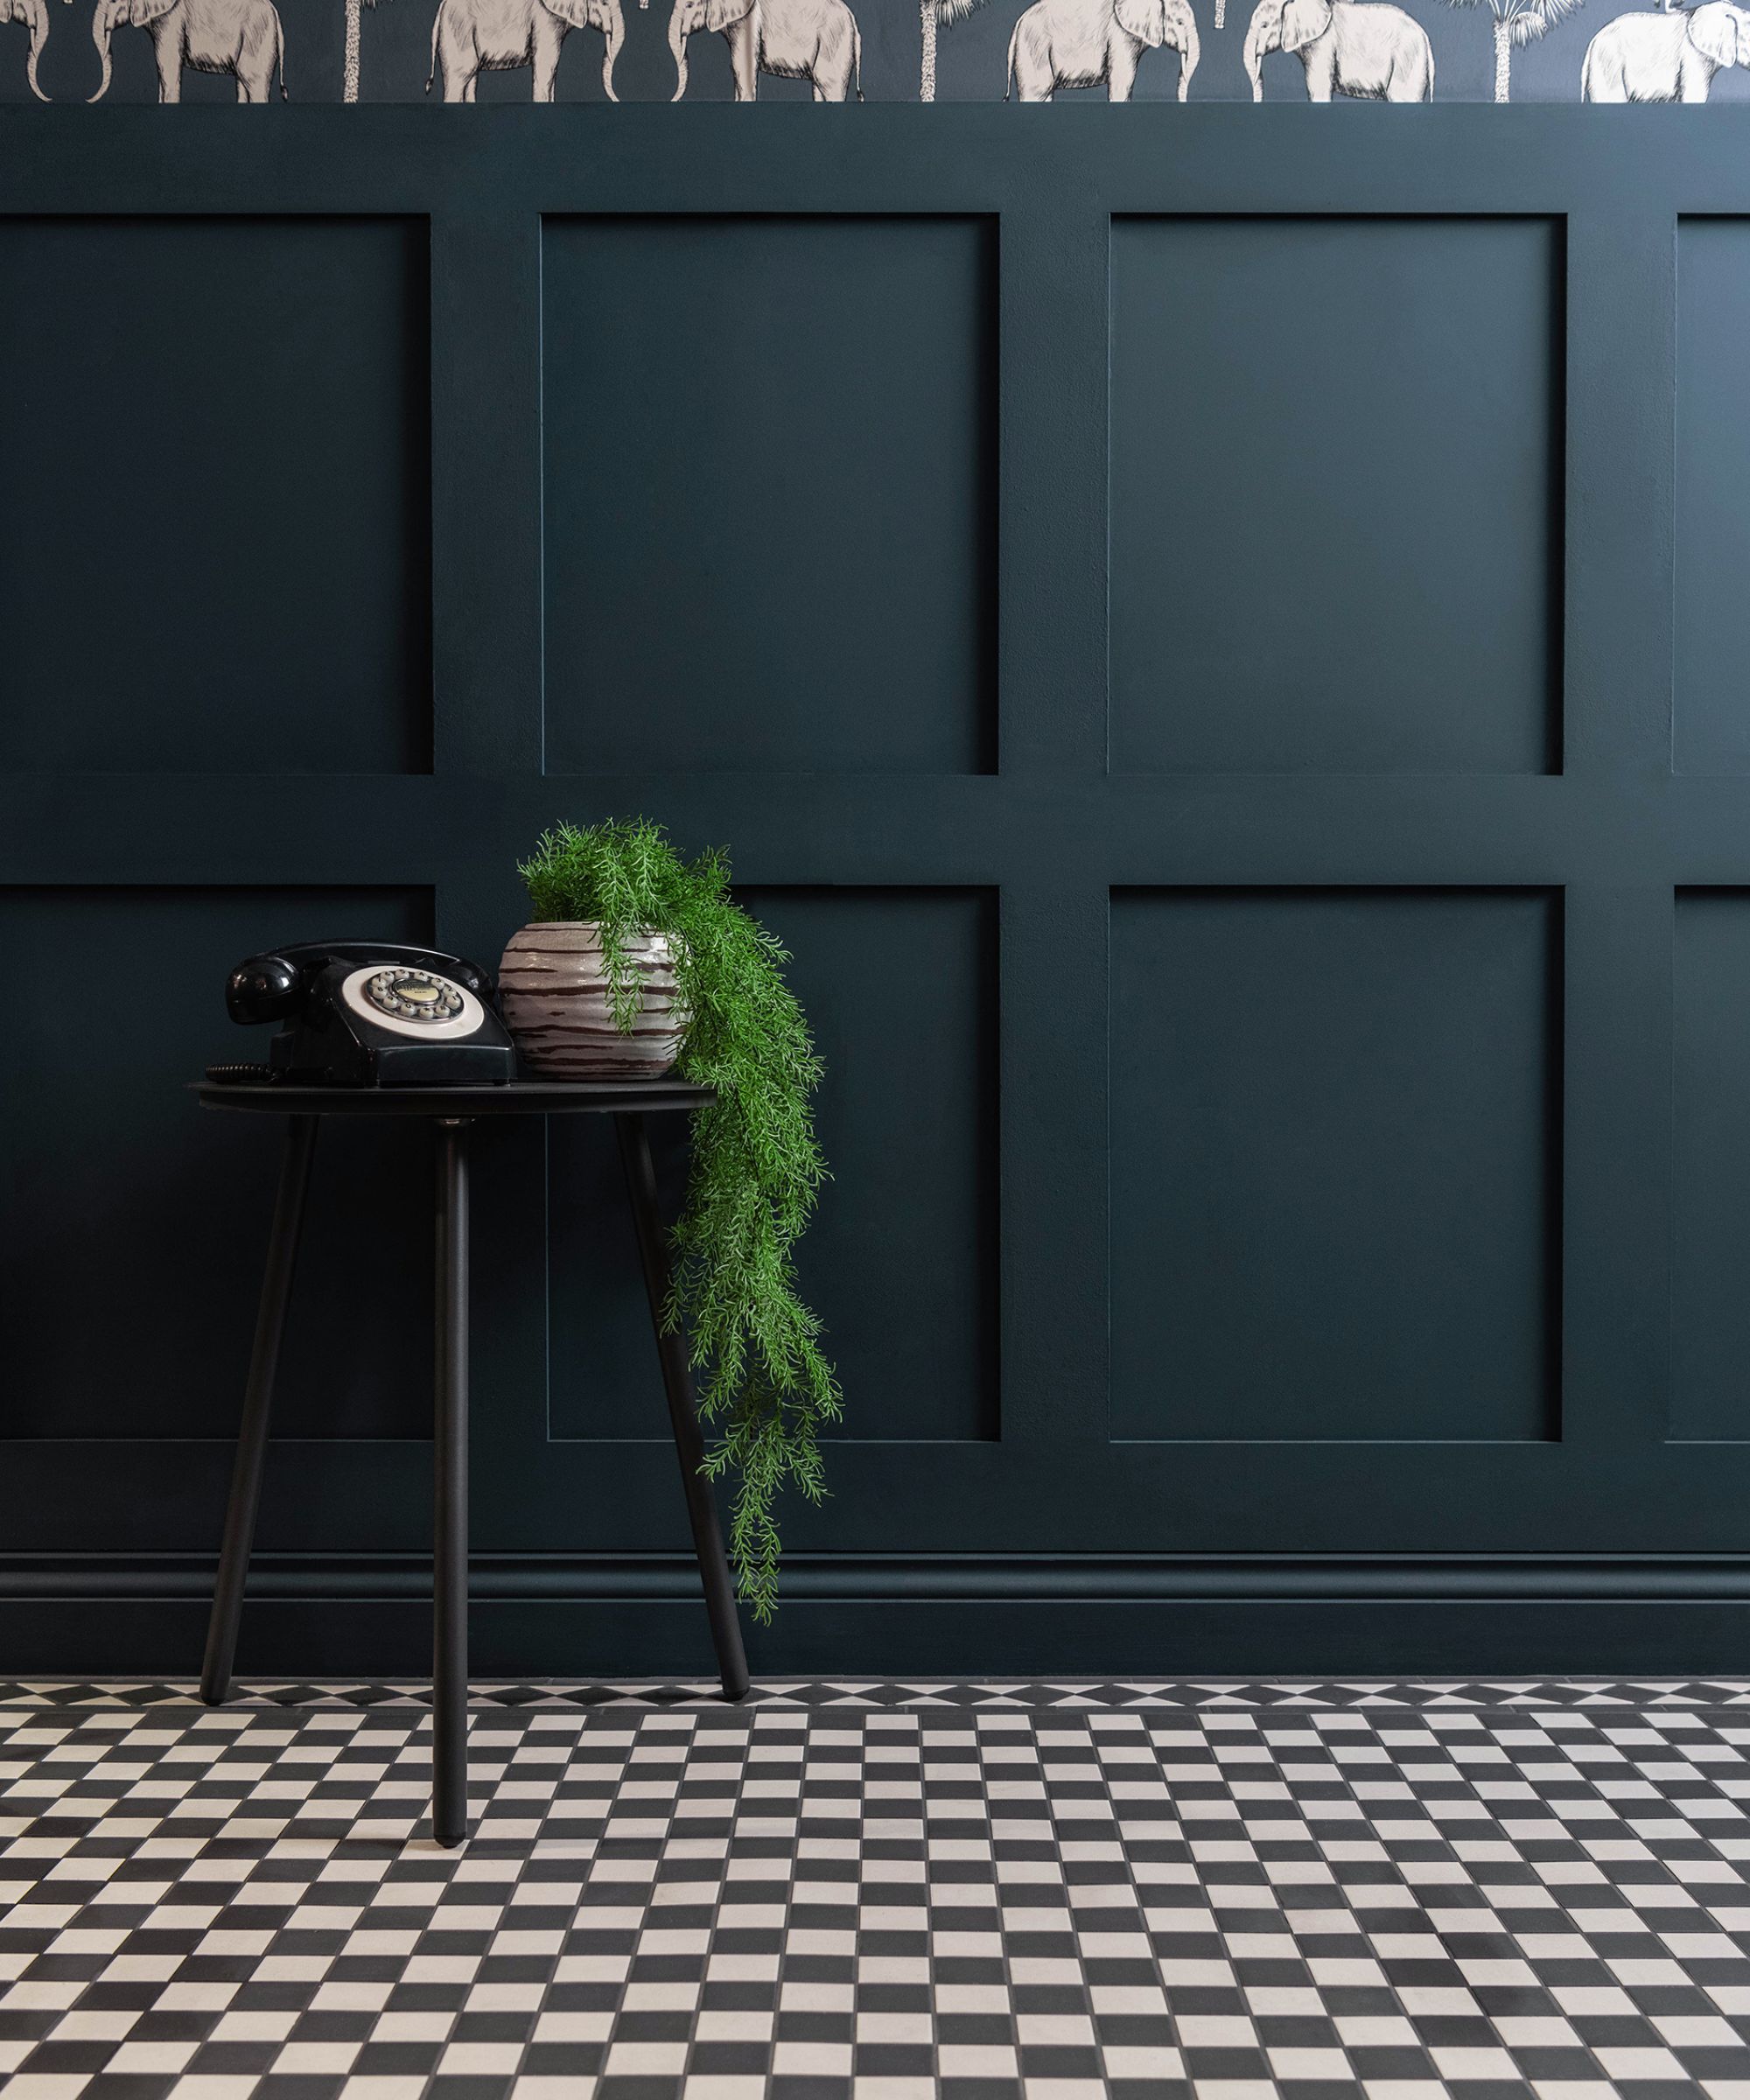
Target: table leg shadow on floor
{"x": 449, "y": 1582}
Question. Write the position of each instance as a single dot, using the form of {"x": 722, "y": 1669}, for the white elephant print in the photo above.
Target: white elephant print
{"x": 1086, "y": 43}
{"x": 813, "y": 40}
{"x": 34, "y": 14}
{"x": 1350, "y": 48}
{"x": 473, "y": 37}
{"x": 243, "y": 38}
{"x": 1665, "y": 58}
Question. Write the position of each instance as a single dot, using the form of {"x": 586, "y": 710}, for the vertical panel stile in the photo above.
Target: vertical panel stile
{"x": 1055, "y": 252}
{"x": 1617, "y": 749}
{"x": 1054, "y": 1287}
{"x": 1622, "y": 382}
{"x": 485, "y": 495}
{"x": 488, "y": 708}
{"x": 1616, "y": 1165}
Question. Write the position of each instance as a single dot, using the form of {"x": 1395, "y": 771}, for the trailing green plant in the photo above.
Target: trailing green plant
{"x": 756, "y": 1167}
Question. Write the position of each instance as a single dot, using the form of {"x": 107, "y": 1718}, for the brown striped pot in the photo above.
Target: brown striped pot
{"x": 553, "y": 988}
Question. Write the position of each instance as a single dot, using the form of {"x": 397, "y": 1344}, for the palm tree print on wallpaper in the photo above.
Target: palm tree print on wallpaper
{"x": 349, "y": 66}
{"x": 933, "y": 17}
{"x": 1517, "y": 23}
{"x": 319, "y": 50}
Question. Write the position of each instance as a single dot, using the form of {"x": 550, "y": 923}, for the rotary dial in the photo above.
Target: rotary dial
{"x": 414, "y": 995}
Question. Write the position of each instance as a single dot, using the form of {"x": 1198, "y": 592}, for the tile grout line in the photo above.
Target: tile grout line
{"x": 1053, "y": 1840}
{"x": 455, "y": 1859}
{"x": 683, "y": 1741}
{"x": 786, "y": 1935}
{"x": 1136, "y": 1887}
{"x": 1120, "y": 1845}
{"x": 731, "y": 1814}
{"x": 579, "y": 1908}
{"x": 931, "y": 1984}
{"x": 527, "y": 1859}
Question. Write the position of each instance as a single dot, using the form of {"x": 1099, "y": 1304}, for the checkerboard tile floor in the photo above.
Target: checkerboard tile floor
{"x": 1403, "y": 1899}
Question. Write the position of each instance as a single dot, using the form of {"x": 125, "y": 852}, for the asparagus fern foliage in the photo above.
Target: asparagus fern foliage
{"x": 764, "y": 1379}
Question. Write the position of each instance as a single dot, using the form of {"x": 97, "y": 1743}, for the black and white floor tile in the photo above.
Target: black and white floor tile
{"x": 877, "y": 1691}
{"x": 881, "y": 1891}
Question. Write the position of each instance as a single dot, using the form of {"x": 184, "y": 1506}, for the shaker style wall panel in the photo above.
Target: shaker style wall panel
{"x": 1335, "y": 486}
{"x": 771, "y": 461}
{"x": 901, "y": 988}
{"x": 1333, "y": 1200}
{"x": 1711, "y": 724}
{"x": 602, "y": 1377}
{"x": 1175, "y": 615}
{"x": 214, "y": 441}
{"x": 114, "y": 1180}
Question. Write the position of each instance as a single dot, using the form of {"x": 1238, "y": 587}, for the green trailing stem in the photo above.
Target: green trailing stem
{"x": 764, "y": 1381}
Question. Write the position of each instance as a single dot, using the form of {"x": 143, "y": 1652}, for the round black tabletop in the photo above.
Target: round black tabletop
{"x": 521, "y": 1097}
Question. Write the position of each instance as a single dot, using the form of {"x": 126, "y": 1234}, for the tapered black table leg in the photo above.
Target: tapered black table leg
{"x": 252, "y": 1435}
{"x": 450, "y": 1586}
{"x": 683, "y": 1414}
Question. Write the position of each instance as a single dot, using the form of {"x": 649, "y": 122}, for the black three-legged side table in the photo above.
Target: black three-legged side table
{"x": 452, "y": 1110}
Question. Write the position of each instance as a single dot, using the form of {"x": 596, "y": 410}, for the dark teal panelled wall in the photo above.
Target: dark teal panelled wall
{"x": 1216, "y": 637}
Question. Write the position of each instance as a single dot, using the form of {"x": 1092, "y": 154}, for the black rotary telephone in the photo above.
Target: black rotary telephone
{"x": 370, "y": 1013}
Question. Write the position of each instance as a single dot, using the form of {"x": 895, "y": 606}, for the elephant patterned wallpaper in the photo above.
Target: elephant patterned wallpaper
{"x": 275, "y": 51}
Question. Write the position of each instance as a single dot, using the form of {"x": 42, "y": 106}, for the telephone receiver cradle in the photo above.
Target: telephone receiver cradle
{"x": 370, "y": 1013}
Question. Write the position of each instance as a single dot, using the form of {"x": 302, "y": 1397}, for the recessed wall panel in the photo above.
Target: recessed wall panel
{"x": 136, "y": 1224}
{"x": 215, "y": 506}
{"x": 1332, "y": 1195}
{"x": 770, "y": 493}
{"x": 1711, "y": 1133}
{"x": 900, "y": 1261}
{"x": 1711, "y": 706}
{"x": 1335, "y": 486}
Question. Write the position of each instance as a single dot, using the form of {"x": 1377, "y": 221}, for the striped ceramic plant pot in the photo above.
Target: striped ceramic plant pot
{"x": 553, "y": 988}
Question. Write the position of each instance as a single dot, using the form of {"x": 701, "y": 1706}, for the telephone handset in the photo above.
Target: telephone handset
{"x": 370, "y": 1013}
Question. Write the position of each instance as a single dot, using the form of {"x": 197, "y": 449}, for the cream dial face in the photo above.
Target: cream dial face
{"x": 416, "y": 1003}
